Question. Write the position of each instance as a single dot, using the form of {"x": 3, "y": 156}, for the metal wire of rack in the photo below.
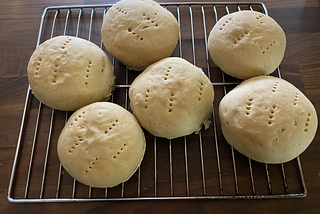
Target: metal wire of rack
{"x": 199, "y": 166}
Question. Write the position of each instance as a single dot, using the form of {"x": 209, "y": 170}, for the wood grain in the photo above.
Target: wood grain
{"x": 19, "y": 24}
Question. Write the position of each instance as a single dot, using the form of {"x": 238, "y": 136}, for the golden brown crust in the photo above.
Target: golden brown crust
{"x": 101, "y": 145}
{"x": 268, "y": 119}
{"x": 139, "y": 32}
{"x": 172, "y": 98}
{"x": 245, "y": 44}
{"x": 67, "y": 73}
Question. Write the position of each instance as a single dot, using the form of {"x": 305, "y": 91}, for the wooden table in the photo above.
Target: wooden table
{"x": 19, "y": 24}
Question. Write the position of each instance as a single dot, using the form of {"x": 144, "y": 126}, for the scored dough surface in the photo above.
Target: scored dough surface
{"x": 268, "y": 119}
{"x": 101, "y": 145}
{"x": 139, "y": 32}
{"x": 246, "y": 43}
{"x": 67, "y": 73}
{"x": 172, "y": 98}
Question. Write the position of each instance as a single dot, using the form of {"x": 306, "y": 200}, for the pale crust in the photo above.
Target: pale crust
{"x": 139, "y": 32}
{"x": 101, "y": 145}
{"x": 268, "y": 119}
{"x": 67, "y": 73}
{"x": 245, "y": 44}
{"x": 172, "y": 98}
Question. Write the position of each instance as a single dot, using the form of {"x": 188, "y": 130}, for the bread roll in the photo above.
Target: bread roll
{"x": 67, "y": 73}
{"x": 247, "y": 43}
{"x": 101, "y": 145}
{"x": 139, "y": 32}
{"x": 172, "y": 98}
{"x": 268, "y": 119}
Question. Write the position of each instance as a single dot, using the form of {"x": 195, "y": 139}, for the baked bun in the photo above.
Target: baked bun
{"x": 268, "y": 120}
{"x": 101, "y": 145}
{"x": 247, "y": 43}
{"x": 139, "y": 33}
{"x": 172, "y": 98}
{"x": 67, "y": 73}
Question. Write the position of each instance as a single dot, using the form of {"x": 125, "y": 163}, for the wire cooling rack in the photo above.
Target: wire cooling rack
{"x": 198, "y": 166}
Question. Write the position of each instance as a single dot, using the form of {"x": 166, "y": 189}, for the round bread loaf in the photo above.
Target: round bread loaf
{"x": 67, "y": 73}
{"x": 267, "y": 119}
{"x": 101, "y": 145}
{"x": 139, "y": 33}
{"x": 245, "y": 44}
{"x": 172, "y": 98}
